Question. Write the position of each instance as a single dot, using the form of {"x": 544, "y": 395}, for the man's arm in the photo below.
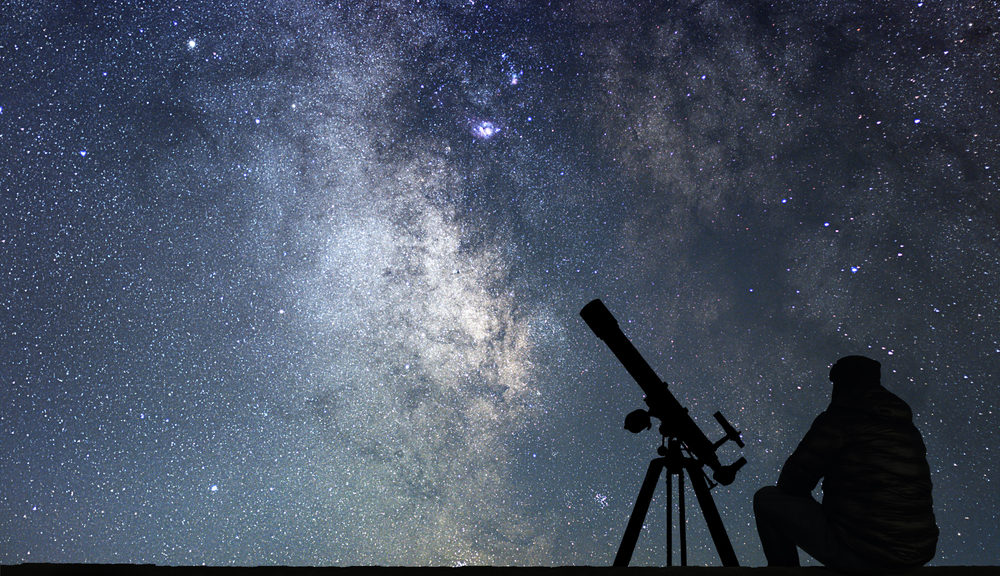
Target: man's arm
{"x": 812, "y": 458}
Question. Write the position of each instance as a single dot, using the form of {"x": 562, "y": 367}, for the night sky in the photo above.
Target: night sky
{"x": 299, "y": 282}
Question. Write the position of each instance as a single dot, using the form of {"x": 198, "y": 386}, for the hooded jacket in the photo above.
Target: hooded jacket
{"x": 876, "y": 480}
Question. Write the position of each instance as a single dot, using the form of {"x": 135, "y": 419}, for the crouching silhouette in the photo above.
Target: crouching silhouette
{"x": 876, "y": 515}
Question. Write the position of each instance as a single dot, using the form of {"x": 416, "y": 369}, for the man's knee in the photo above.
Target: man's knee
{"x": 765, "y": 498}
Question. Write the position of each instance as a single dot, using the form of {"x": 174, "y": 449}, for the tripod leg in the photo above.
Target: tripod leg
{"x": 639, "y": 510}
{"x": 670, "y": 519}
{"x": 712, "y": 518}
{"x": 681, "y": 521}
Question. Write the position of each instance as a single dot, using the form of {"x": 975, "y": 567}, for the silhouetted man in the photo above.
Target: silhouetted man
{"x": 876, "y": 514}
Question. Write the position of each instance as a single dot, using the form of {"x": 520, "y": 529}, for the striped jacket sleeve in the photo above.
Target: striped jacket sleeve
{"x": 813, "y": 457}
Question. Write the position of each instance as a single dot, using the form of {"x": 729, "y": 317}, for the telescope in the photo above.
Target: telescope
{"x": 685, "y": 447}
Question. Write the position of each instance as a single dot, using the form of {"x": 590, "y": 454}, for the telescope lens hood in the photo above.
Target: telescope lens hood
{"x": 599, "y": 318}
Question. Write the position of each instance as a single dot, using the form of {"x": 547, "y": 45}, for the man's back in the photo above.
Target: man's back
{"x": 876, "y": 481}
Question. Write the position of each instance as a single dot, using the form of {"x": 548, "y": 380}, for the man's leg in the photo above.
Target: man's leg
{"x": 785, "y": 522}
{"x": 778, "y": 520}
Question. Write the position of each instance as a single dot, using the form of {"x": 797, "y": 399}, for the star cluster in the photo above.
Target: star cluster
{"x": 298, "y": 282}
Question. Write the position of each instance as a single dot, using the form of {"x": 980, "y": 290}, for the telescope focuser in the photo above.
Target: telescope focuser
{"x": 726, "y": 474}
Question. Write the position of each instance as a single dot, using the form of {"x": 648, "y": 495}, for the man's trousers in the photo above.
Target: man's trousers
{"x": 786, "y": 522}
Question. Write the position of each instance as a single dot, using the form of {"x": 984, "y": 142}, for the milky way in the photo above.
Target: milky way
{"x": 299, "y": 283}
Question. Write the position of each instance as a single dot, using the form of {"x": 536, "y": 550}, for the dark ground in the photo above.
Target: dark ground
{"x": 131, "y": 569}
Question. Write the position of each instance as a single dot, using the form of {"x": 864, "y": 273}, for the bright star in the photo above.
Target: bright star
{"x": 192, "y": 44}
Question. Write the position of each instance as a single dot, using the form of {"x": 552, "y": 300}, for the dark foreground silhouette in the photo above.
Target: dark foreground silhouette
{"x": 876, "y": 515}
{"x": 143, "y": 570}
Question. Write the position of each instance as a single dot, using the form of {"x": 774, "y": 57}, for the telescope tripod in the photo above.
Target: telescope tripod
{"x": 676, "y": 464}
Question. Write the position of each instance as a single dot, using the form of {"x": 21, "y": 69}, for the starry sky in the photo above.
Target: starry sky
{"x": 298, "y": 282}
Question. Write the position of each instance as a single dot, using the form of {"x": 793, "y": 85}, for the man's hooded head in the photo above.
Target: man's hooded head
{"x": 851, "y": 371}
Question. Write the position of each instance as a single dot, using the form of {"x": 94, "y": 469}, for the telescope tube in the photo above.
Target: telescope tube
{"x": 674, "y": 418}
